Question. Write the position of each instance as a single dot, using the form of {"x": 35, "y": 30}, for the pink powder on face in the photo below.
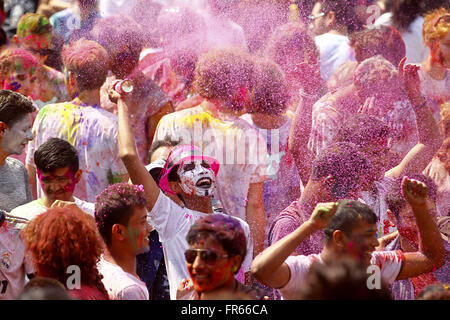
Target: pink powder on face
{"x": 68, "y": 188}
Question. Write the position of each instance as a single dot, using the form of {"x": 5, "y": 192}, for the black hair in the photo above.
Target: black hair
{"x": 395, "y": 200}
{"x": 56, "y": 153}
{"x": 115, "y": 206}
{"x": 13, "y": 106}
{"x": 344, "y": 11}
{"x": 42, "y": 288}
{"x": 348, "y": 216}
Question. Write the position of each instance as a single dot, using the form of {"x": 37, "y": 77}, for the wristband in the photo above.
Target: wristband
{"x": 307, "y": 95}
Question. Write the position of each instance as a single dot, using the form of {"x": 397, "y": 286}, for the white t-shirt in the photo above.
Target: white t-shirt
{"x": 15, "y": 264}
{"x": 334, "y": 50}
{"x": 389, "y": 262}
{"x": 173, "y": 223}
{"x": 121, "y": 285}
{"x": 34, "y": 208}
{"x": 238, "y": 147}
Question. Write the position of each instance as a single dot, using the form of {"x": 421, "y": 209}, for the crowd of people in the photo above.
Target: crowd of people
{"x": 218, "y": 149}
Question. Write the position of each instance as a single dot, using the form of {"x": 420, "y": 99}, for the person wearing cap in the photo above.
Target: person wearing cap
{"x": 188, "y": 174}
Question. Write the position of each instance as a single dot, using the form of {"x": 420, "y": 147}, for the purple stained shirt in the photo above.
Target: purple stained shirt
{"x": 290, "y": 219}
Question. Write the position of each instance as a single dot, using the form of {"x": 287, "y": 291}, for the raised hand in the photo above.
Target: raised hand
{"x": 409, "y": 76}
{"x": 323, "y": 213}
{"x": 414, "y": 192}
{"x": 370, "y": 108}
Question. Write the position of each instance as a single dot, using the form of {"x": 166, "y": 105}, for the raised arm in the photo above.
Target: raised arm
{"x": 128, "y": 153}
{"x": 430, "y": 139}
{"x": 431, "y": 252}
{"x": 269, "y": 267}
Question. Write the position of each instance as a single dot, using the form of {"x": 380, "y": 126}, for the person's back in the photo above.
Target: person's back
{"x": 81, "y": 122}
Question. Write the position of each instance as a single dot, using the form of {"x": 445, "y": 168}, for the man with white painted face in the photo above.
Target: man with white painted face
{"x": 58, "y": 173}
{"x": 15, "y": 132}
{"x": 188, "y": 174}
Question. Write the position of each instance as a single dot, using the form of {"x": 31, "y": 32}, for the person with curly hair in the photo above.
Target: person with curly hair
{"x": 18, "y": 71}
{"x": 62, "y": 238}
{"x": 121, "y": 218}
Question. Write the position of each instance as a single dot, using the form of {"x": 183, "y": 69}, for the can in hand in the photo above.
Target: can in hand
{"x": 123, "y": 86}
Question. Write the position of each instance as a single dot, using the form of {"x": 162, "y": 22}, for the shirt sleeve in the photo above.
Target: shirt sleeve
{"x": 299, "y": 267}
{"x": 259, "y": 158}
{"x": 29, "y": 195}
{"x": 390, "y": 264}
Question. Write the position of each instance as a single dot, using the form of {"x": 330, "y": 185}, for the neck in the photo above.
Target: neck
{"x": 3, "y": 156}
{"x": 48, "y": 202}
{"x": 89, "y": 97}
{"x": 434, "y": 69}
{"x": 122, "y": 258}
{"x": 228, "y": 286}
{"x": 267, "y": 121}
{"x": 201, "y": 204}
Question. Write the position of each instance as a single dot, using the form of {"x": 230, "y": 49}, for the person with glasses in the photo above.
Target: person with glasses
{"x": 217, "y": 247}
{"x": 331, "y": 22}
{"x": 34, "y": 33}
{"x": 188, "y": 175}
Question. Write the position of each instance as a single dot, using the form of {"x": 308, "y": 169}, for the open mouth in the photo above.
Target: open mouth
{"x": 204, "y": 183}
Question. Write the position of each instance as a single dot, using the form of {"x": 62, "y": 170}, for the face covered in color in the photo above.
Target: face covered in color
{"x": 15, "y": 138}
{"x": 196, "y": 177}
{"x": 58, "y": 184}
{"x": 208, "y": 265}
{"x": 138, "y": 230}
{"x": 21, "y": 77}
{"x": 362, "y": 241}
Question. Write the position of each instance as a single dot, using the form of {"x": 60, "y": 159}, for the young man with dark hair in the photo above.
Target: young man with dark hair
{"x": 406, "y": 238}
{"x": 58, "y": 172}
{"x": 189, "y": 175}
{"x": 350, "y": 231}
{"x": 15, "y": 133}
{"x": 121, "y": 217}
{"x": 82, "y": 122}
{"x": 217, "y": 247}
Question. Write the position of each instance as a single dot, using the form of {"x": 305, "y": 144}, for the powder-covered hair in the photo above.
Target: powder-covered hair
{"x": 432, "y": 29}
{"x": 270, "y": 93}
{"x": 290, "y": 42}
{"x": 222, "y": 74}
{"x": 33, "y": 23}
{"x": 115, "y": 205}
{"x": 62, "y": 237}
{"x": 227, "y": 231}
{"x": 11, "y": 55}
{"x": 385, "y": 40}
{"x": 88, "y": 61}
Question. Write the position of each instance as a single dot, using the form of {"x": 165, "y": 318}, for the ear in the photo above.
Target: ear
{"x": 331, "y": 18}
{"x": 117, "y": 232}
{"x": 339, "y": 239}
{"x": 78, "y": 175}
